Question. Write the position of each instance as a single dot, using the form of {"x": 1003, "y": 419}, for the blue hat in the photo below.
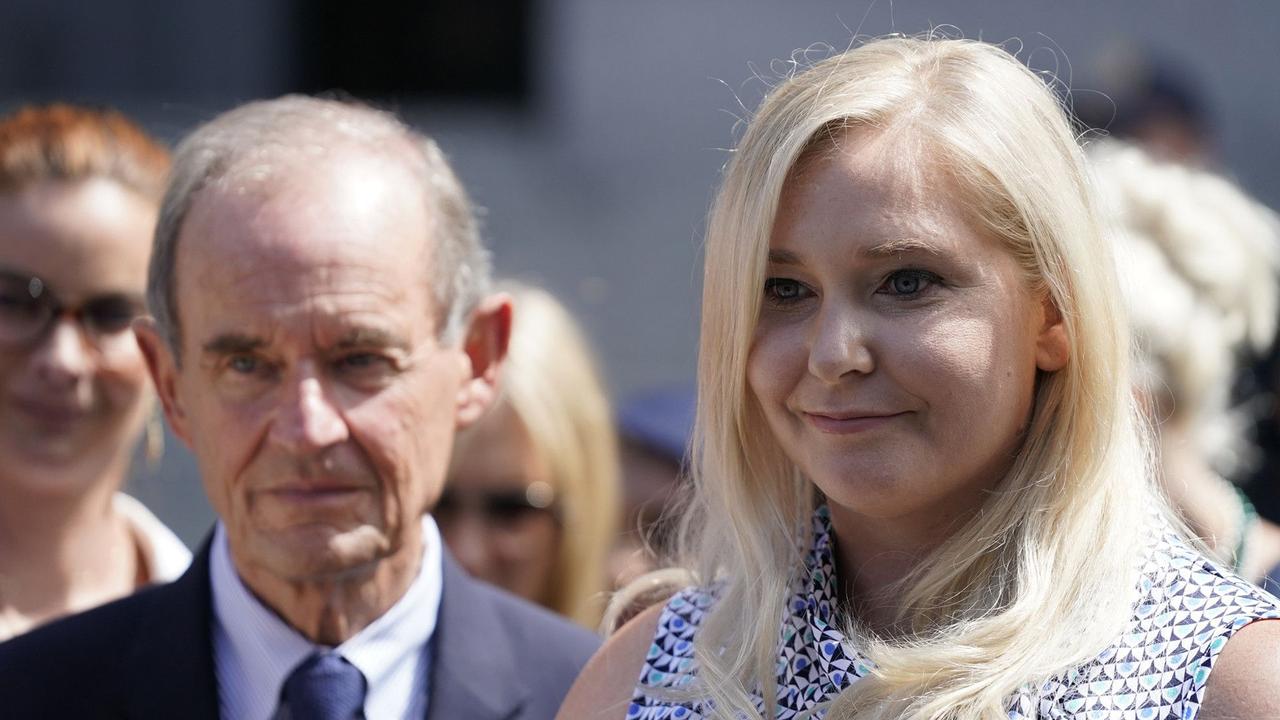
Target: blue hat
{"x": 661, "y": 419}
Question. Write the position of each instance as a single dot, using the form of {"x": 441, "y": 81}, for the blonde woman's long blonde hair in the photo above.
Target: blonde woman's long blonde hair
{"x": 552, "y": 384}
{"x": 1045, "y": 576}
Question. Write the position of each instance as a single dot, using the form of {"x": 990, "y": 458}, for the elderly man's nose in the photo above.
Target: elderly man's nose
{"x": 63, "y": 355}
{"x": 308, "y": 420}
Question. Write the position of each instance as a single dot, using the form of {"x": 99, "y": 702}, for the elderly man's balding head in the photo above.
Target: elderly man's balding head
{"x": 254, "y": 148}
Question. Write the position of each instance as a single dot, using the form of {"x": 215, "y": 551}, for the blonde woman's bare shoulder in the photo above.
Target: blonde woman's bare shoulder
{"x": 606, "y": 685}
{"x": 1243, "y": 682}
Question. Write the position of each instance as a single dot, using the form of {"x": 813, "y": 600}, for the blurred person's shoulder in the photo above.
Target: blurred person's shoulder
{"x": 90, "y": 664}
{"x": 655, "y": 621}
{"x": 494, "y": 648}
{"x": 530, "y": 625}
{"x": 608, "y": 683}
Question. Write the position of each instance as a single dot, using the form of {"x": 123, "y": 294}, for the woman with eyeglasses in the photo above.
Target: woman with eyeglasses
{"x": 532, "y": 497}
{"x": 79, "y": 194}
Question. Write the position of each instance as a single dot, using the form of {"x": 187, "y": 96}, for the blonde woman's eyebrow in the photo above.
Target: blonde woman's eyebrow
{"x": 784, "y": 257}
{"x": 887, "y": 249}
{"x": 903, "y": 246}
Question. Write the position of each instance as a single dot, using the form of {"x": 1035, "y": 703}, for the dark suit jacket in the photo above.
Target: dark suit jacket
{"x": 150, "y": 656}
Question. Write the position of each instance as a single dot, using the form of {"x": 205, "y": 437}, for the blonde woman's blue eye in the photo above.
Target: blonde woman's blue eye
{"x": 783, "y": 290}
{"x": 908, "y": 282}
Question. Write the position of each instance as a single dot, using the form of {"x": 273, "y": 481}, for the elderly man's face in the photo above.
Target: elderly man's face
{"x": 313, "y": 389}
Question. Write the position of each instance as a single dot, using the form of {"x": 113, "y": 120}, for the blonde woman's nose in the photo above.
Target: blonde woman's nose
{"x": 839, "y": 345}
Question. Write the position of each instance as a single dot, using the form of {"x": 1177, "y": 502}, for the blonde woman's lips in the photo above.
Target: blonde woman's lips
{"x": 849, "y": 423}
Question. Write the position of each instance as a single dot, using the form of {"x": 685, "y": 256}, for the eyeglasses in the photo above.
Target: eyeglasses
{"x": 29, "y": 308}
{"x": 498, "y": 507}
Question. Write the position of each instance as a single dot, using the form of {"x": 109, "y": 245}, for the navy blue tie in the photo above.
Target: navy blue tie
{"x": 324, "y": 687}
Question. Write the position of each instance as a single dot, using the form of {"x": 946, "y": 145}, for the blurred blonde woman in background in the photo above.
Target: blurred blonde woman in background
{"x": 79, "y": 193}
{"x": 922, "y": 486}
{"x": 532, "y": 499}
{"x": 1198, "y": 259}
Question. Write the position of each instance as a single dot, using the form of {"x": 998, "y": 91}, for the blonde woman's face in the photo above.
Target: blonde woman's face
{"x": 896, "y": 352}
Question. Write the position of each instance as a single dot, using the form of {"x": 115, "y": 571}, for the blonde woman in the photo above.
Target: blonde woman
{"x": 532, "y": 499}
{"x": 1200, "y": 262}
{"x": 921, "y": 490}
{"x": 79, "y": 193}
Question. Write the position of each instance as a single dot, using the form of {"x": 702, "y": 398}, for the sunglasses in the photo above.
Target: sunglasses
{"x": 29, "y": 308}
{"x": 499, "y": 507}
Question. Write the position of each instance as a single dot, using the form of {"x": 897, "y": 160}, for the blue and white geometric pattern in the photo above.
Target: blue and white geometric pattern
{"x": 1156, "y": 670}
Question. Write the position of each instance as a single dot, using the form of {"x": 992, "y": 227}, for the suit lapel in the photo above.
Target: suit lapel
{"x": 172, "y": 658}
{"x": 473, "y": 674}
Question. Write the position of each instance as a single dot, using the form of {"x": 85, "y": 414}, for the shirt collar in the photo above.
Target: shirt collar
{"x": 259, "y": 649}
{"x": 406, "y": 627}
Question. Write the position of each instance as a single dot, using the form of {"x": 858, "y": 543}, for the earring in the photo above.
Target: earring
{"x": 155, "y": 438}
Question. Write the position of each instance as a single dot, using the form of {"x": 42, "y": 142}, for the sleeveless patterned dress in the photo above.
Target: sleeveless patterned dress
{"x": 1156, "y": 670}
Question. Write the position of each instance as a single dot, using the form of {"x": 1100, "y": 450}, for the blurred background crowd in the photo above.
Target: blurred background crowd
{"x": 591, "y": 133}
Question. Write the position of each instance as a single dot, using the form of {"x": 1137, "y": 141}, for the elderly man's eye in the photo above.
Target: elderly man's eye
{"x": 244, "y": 364}
{"x": 363, "y": 362}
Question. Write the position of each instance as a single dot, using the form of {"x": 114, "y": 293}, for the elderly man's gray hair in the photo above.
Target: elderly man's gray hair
{"x": 250, "y": 141}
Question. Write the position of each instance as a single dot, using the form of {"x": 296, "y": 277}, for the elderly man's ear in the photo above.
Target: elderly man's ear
{"x": 485, "y": 347}
{"x": 163, "y": 368}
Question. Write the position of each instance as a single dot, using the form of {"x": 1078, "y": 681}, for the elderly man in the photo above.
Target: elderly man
{"x": 321, "y": 329}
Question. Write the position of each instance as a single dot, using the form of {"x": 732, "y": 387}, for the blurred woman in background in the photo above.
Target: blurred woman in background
{"x": 1200, "y": 261}
{"x": 79, "y": 194}
{"x": 532, "y": 499}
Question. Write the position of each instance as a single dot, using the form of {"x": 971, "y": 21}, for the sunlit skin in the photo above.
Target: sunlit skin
{"x": 519, "y": 553}
{"x": 895, "y": 356}
{"x": 313, "y": 388}
{"x": 70, "y": 409}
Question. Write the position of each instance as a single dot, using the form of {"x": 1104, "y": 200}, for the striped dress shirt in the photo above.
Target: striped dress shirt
{"x": 254, "y": 650}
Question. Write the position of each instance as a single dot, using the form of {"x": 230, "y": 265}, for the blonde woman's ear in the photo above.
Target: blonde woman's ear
{"x": 1052, "y": 348}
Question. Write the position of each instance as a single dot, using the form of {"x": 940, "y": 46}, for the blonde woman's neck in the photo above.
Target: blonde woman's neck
{"x": 874, "y": 557}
